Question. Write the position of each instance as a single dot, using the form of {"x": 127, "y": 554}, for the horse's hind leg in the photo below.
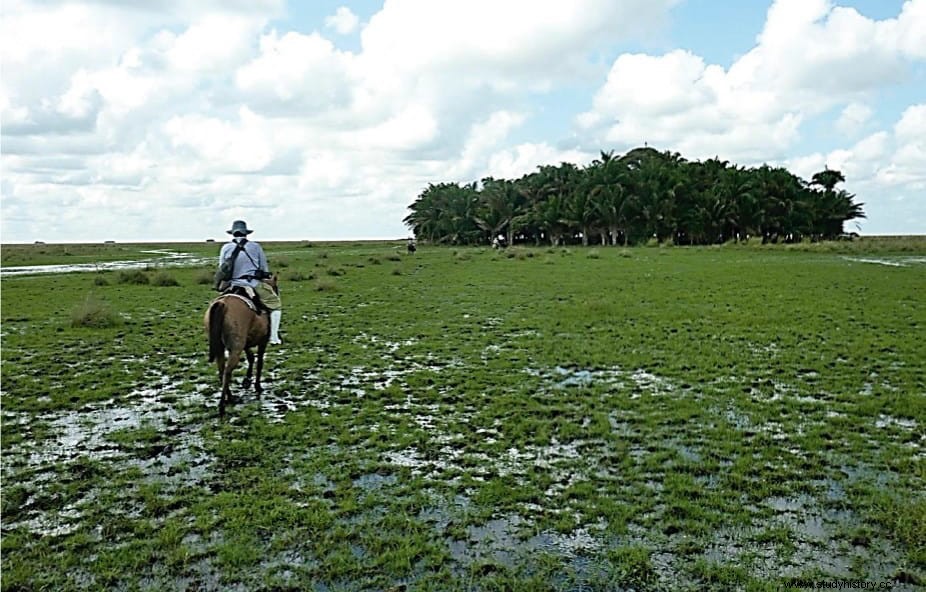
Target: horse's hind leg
{"x": 246, "y": 383}
{"x": 220, "y": 364}
{"x": 230, "y": 365}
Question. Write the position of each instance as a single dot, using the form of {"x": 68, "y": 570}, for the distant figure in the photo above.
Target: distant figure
{"x": 499, "y": 242}
{"x": 411, "y": 246}
{"x": 249, "y": 271}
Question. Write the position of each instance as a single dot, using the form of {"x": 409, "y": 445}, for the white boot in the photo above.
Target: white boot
{"x": 275, "y": 327}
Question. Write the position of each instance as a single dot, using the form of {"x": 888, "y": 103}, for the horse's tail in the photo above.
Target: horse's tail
{"x": 216, "y": 318}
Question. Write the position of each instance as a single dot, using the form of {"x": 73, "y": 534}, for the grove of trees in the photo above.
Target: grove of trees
{"x": 642, "y": 195}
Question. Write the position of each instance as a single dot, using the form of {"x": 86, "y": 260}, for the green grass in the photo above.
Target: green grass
{"x": 457, "y": 419}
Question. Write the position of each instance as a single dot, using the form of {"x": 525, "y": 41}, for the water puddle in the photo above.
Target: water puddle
{"x": 638, "y": 381}
{"x": 507, "y": 541}
{"x": 144, "y": 430}
{"x": 884, "y": 421}
{"x": 890, "y": 261}
{"x": 165, "y": 258}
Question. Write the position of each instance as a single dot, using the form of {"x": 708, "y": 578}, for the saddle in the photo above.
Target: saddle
{"x": 248, "y": 296}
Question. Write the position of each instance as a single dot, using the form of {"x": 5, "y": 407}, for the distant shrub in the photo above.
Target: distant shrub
{"x": 133, "y": 276}
{"x": 323, "y": 255}
{"x": 652, "y": 242}
{"x": 625, "y": 252}
{"x": 100, "y": 280}
{"x": 164, "y": 279}
{"x": 334, "y": 271}
{"x": 509, "y": 254}
{"x": 280, "y": 263}
{"x": 94, "y": 313}
{"x": 375, "y": 261}
{"x": 298, "y": 276}
{"x": 394, "y": 257}
{"x": 396, "y": 271}
{"x": 204, "y": 277}
{"x": 326, "y": 285}
{"x": 594, "y": 254}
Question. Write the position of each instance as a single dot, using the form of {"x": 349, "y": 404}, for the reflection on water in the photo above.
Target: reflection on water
{"x": 165, "y": 258}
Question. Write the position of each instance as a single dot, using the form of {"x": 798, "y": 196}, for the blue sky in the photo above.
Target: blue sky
{"x": 324, "y": 120}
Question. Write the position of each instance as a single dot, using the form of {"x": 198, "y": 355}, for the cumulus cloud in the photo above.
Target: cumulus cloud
{"x": 296, "y": 74}
{"x": 343, "y": 21}
{"x": 886, "y": 170}
{"x": 525, "y": 158}
{"x": 853, "y": 117}
{"x": 809, "y": 57}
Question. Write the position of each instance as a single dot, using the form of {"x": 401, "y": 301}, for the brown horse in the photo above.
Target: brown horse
{"x": 234, "y": 327}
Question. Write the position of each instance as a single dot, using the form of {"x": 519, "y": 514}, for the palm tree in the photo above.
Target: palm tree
{"x": 499, "y": 202}
{"x": 643, "y": 194}
{"x": 608, "y": 182}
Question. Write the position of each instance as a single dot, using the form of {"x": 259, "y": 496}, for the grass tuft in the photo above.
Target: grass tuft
{"x": 94, "y": 313}
{"x": 326, "y": 285}
{"x": 164, "y": 279}
{"x": 134, "y": 276}
{"x": 204, "y": 277}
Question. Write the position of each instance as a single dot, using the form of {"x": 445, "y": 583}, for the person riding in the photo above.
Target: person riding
{"x": 250, "y": 269}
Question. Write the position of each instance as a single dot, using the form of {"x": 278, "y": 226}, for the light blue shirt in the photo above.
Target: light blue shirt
{"x": 250, "y": 259}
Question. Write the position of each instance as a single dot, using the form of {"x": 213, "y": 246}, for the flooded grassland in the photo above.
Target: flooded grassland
{"x": 562, "y": 419}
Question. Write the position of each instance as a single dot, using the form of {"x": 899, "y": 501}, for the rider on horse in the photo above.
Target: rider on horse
{"x": 250, "y": 269}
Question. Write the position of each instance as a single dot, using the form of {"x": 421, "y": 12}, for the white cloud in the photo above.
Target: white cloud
{"x": 215, "y": 42}
{"x": 484, "y": 137}
{"x": 912, "y": 124}
{"x": 489, "y": 43}
{"x": 886, "y": 171}
{"x": 245, "y": 147}
{"x": 343, "y": 21}
{"x": 908, "y": 163}
{"x": 810, "y": 57}
{"x": 853, "y": 117}
{"x": 525, "y": 158}
{"x": 296, "y": 73}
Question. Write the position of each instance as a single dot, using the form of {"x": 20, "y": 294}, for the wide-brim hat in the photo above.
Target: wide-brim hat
{"x": 239, "y": 226}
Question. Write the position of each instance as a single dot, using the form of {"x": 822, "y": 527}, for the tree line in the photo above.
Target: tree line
{"x": 644, "y": 194}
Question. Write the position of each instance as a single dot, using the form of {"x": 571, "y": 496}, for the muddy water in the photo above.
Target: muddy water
{"x": 905, "y": 261}
{"x": 165, "y": 258}
{"x": 172, "y": 453}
